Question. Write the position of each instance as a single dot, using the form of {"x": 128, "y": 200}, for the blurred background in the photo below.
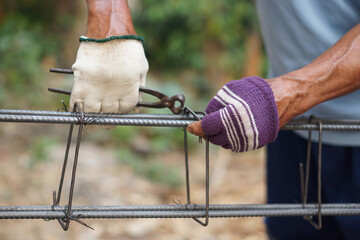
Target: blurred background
{"x": 193, "y": 47}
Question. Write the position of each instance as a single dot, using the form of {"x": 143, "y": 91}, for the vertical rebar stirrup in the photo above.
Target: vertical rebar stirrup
{"x": 304, "y": 183}
{"x": 65, "y": 222}
{"x": 57, "y": 195}
{"x": 207, "y": 170}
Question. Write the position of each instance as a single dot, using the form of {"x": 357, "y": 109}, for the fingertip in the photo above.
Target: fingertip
{"x": 91, "y": 107}
{"x": 110, "y": 107}
{"x": 196, "y": 129}
{"x": 127, "y": 106}
{"x": 72, "y": 104}
{"x": 143, "y": 79}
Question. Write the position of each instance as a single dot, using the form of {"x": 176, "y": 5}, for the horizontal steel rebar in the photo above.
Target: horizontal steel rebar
{"x": 184, "y": 207}
{"x": 27, "y": 116}
{"x": 166, "y": 120}
{"x": 179, "y": 211}
{"x": 327, "y": 124}
{"x": 100, "y": 115}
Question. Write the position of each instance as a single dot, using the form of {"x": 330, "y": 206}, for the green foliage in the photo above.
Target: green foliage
{"x": 54, "y": 16}
{"x": 30, "y": 31}
{"x": 178, "y": 33}
{"x": 22, "y": 47}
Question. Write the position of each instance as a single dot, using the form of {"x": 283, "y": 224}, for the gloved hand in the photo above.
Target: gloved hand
{"x": 107, "y": 76}
{"x": 242, "y": 116}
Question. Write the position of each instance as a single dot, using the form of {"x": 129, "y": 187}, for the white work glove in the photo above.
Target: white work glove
{"x": 107, "y": 76}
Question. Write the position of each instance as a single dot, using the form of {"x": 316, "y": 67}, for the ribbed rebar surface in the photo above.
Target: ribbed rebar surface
{"x": 178, "y": 211}
{"x": 168, "y": 211}
{"x": 158, "y": 120}
{"x": 171, "y": 120}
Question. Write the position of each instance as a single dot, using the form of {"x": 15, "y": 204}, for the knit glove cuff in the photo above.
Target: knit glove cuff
{"x": 129, "y": 37}
{"x": 242, "y": 116}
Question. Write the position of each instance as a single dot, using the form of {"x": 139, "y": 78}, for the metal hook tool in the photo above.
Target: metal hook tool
{"x": 304, "y": 183}
{"x": 164, "y": 100}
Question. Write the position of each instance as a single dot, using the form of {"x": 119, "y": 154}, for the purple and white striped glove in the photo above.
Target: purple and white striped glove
{"x": 242, "y": 116}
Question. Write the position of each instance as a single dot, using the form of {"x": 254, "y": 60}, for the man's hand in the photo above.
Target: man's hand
{"x": 196, "y": 129}
{"x": 107, "y": 76}
{"x": 334, "y": 73}
{"x": 110, "y": 64}
{"x": 241, "y": 117}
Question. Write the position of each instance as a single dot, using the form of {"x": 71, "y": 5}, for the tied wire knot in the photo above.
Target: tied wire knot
{"x": 188, "y": 206}
{"x": 70, "y": 217}
{"x": 84, "y": 119}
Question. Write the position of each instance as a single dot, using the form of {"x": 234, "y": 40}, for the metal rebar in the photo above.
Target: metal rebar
{"x": 170, "y": 211}
{"x": 102, "y": 115}
{"x": 57, "y": 196}
{"x": 191, "y": 207}
{"x": 97, "y": 121}
{"x": 180, "y": 211}
{"x": 187, "y": 175}
{"x": 28, "y": 116}
{"x": 169, "y": 120}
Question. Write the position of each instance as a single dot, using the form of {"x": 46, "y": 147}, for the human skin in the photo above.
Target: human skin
{"x": 108, "y": 18}
{"x": 334, "y": 73}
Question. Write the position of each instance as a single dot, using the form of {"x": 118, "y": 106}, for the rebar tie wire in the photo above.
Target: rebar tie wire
{"x": 182, "y": 117}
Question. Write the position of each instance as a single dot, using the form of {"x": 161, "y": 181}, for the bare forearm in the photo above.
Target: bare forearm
{"x": 333, "y": 74}
{"x": 108, "y": 18}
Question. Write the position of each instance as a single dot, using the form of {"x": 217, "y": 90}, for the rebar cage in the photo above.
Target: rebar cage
{"x": 66, "y": 214}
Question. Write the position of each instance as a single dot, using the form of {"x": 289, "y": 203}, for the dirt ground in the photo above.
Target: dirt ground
{"x": 104, "y": 180}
